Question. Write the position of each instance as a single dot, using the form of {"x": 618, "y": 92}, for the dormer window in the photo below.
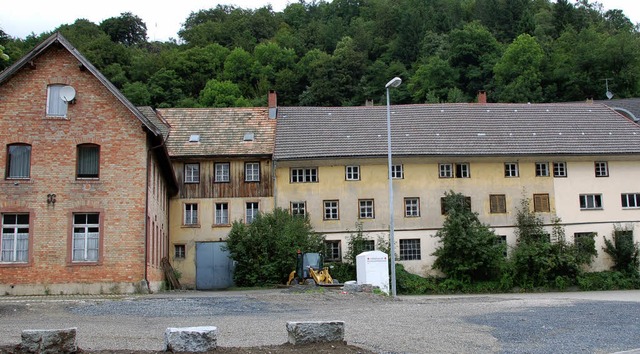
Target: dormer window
{"x": 249, "y": 136}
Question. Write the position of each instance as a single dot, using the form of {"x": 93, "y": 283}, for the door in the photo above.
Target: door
{"x": 214, "y": 267}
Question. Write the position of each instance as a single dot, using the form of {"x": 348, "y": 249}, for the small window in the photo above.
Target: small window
{"x": 56, "y": 106}
{"x": 397, "y": 172}
{"x": 251, "y": 211}
{"x": 497, "y": 203}
{"x": 630, "y": 200}
{"x": 18, "y": 161}
{"x": 333, "y": 251}
{"x": 194, "y": 138}
{"x": 191, "y": 173}
{"x": 511, "y": 169}
{"x": 298, "y": 208}
{"x": 601, "y": 169}
{"x": 542, "y": 169}
{"x": 410, "y": 250}
{"x": 584, "y": 242}
{"x": 443, "y": 207}
{"x": 221, "y": 172}
{"x": 190, "y": 214}
{"x": 180, "y": 251}
{"x": 304, "y": 175}
{"x": 411, "y": 207}
{"x": 331, "y": 211}
{"x": 541, "y": 203}
{"x": 352, "y": 173}
{"x": 86, "y": 237}
{"x": 248, "y": 136}
{"x": 590, "y": 201}
{"x": 559, "y": 169}
{"x": 88, "y": 161}
{"x": 502, "y": 240}
{"x": 463, "y": 170}
{"x": 14, "y": 243}
{"x": 222, "y": 214}
{"x": 252, "y": 172}
{"x": 366, "y": 208}
{"x": 446, "y": 170}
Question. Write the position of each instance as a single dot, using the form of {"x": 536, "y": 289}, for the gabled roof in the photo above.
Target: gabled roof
{"x": 628, "y": 107}
{"x": 455, "y": 130}
{"x": 57, "y": 38}
{"x": 219, "y": 131}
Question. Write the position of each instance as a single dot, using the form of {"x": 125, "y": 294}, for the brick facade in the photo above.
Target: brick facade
{"x": 118, "y": 196}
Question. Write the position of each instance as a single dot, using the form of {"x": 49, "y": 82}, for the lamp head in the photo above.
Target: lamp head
{"x": 395, "y": 82}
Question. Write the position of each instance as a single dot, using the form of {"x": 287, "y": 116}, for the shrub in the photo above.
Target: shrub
{"x": 610, "y": 280}
{"x": 623, "y": 251}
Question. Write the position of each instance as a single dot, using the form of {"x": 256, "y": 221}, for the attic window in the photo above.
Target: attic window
{"x": 249, "y": 136}
{"x": 194, "y": 138}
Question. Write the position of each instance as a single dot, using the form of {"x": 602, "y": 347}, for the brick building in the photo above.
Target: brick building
{"x": 86, "y": 180}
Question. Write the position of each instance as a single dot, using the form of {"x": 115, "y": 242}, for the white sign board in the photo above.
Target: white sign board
{"x": 373, "y": 268}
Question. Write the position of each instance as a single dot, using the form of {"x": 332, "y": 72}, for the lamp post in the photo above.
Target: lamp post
{"x": 395, "y": 82}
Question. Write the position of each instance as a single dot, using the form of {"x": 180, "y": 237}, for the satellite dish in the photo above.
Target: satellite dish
{"x": 67, "y": 93}
{"x": 609, "y": 95}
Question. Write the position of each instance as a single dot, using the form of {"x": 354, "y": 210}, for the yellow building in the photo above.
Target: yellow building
{"x": 577, "y": 162}
{"x": 222, "y": 158}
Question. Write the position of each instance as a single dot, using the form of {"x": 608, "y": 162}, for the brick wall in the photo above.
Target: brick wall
{"x": 118, "y": 195}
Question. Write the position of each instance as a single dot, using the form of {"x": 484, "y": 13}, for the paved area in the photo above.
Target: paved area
{"x": 580, "y": 322}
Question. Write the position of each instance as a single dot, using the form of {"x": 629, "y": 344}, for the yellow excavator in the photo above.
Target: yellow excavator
{"x": 310, "y": 269}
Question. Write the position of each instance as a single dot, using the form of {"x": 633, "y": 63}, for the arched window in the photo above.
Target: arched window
{"x": 18, "y": 161}
{"x": 88, "y": 161}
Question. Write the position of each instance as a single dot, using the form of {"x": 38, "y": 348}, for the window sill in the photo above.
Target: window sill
{"x": 218, "y": 226}
{"x": 191, "y": 226}
{"x": 18, "y": 181}
{"x": 589, "y": 209}
{"x": 52, "y": 117}
{"x": 14, "y": 264}
{"x": 87, "y": 179}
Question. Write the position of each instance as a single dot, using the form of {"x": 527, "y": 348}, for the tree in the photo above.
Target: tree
{"x": 222, "y": 94}
{"x": 518, "y": 73}
{"x": 468, "y": 251}
{"x": 265, "y": 250}
{"x": 127, "y": 29}
{"x": 623, "y": 251}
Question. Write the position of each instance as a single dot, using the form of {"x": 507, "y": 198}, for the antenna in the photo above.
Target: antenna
{"x": 67, "y": 93}
{"x": 609, "y": 94}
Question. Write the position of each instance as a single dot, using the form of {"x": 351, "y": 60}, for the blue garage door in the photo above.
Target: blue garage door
{"x": 214, "y": 267}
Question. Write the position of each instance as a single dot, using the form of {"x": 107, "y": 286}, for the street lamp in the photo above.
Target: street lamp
{"x": 395, "y": 82}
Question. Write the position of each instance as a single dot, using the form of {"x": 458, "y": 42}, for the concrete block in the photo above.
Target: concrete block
{"x": 315, "y": 332}
{"x": 191, "y": 339}
{"x": 45, "y": 341}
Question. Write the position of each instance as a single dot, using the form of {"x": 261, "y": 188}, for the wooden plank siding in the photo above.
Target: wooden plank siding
{"x": 235, "y": 188}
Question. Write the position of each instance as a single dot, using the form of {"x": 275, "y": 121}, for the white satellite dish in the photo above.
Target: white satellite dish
{"x": 67, "y": 93}
{"x": 609, "y": 95}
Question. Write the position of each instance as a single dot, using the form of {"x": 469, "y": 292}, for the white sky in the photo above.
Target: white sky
{"x": 19, "y": 18}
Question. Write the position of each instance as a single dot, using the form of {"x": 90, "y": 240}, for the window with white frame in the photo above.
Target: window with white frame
{"x": 463, "y": 170}
{"x": 497, "y": 204}
{"x": 542, "y": 169}
{"x": 590, "y": 201}
{"x": 56, "y": 106}
{"x": 191, "y": 173}
{"x": 352, "y": 173}
{"x": 298, "y": 208}
{"x": 630, "y": 200}
{"x": 18, "y": 161}
{"x": 366, "y": 209}
{"x": 14, "y": 243}
{"x": 411, "y": 207}
{"x": 179, "y": 251}
{"x": 451, "y": 170}
{"x": 410, "y": 250}
{"x": 397, "y": 171}
{"x": 251, "y": 211}
{"x": 304, "y": 175}
{"x": 332, "y": 251}
{"x": 86, "y": 237}
{"x": 601, "y": 169}
{"x": 446, "y": 170}
{"x": 511, "y": 169}
{"x": 190, "y": 214}
{"x": 559, "y": 169}
{"x": 88, "y": 164}
{"x": 331, "y": 211}
{"x": 222, "y": 214}
{"x": 221, "y": 172}
{"x": 252, "y": 172}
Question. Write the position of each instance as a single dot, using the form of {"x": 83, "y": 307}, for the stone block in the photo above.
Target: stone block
{"x": 191, "y": 339}
{"x": 45, "y": 341}
{"x": 315, "y": 332}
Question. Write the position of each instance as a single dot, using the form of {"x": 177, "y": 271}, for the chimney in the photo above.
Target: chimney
{"x": 482, "y": 96}
{"x": 273, "y": 104}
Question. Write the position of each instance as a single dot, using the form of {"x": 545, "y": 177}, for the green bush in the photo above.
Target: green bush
{"x": 623, "y": 250}
{"x": 412, "y": 284}
{"x": 265, "y": 250}
{"x": 610, "y": 280}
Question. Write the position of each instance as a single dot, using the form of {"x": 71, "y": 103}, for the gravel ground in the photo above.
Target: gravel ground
{"x": 604, "y": 322}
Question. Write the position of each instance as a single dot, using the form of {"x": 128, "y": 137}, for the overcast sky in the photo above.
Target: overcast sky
{"x": 19, "y": 18}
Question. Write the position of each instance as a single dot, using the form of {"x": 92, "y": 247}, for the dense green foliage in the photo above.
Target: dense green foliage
{"x": 623, "y": 251}
{"x": 265, "y": 250}
{"x": 343, "y": 52}
{"x": 468, "y": 250}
